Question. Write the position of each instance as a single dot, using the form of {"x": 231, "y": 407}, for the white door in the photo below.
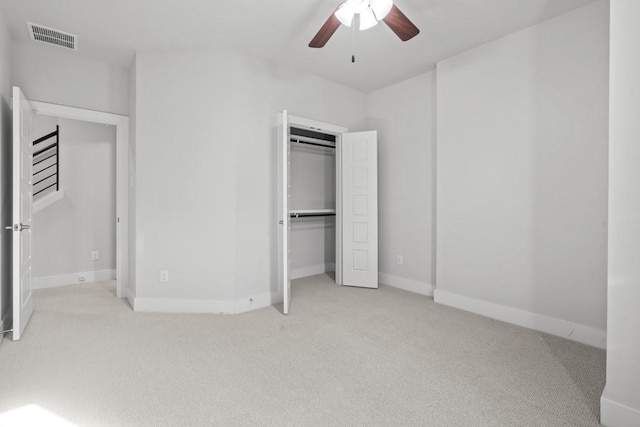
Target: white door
{"x": 359, "y": 167}
{"x": 284, "y": 246}
{"x": 22, "y": 209}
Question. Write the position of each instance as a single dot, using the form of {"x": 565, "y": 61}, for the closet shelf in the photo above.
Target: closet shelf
{"x": 314, "y": 142}
{"x": 302, "y": 213}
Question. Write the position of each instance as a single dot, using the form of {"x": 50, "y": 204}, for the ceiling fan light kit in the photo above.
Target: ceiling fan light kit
{"x": 370, "y": 12}
{"x": 367, "y": 19}
{"x": 381, "y": 8}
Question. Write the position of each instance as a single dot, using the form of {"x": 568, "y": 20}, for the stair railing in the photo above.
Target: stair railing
{"x": 46, "y": 162}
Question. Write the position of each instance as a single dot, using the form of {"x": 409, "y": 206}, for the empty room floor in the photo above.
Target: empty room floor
{"x": 343, "y": 356}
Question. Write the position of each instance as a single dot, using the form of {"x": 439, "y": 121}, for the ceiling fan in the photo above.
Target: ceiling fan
{"x": 369, "y": 12}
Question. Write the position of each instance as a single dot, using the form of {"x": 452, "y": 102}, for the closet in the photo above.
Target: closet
{"x": 327, "y": 203}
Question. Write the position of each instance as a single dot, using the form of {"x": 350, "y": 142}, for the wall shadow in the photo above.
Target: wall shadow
{"x": 6, "y": 245}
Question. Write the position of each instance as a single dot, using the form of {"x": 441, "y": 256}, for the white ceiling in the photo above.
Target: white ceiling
{"x": 280, "y": 30}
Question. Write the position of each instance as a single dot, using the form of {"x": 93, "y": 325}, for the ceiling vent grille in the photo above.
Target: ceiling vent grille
{"x": 48, "y": 35}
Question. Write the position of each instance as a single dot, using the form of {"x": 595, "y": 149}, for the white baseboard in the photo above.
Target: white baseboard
{"x": 614, "y": 414}
{"x": 176, "y": 305}
{"x": 72, "y": 278}
{"x": 406, "y": 284}
{"x": 254, "y": 302}
{"x": 562, "y": 328}
{"x": 231, "y": 306}
{"x": 311, "y": 270}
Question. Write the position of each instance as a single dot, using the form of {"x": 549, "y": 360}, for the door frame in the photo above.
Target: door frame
{"x": 337, "y": 130}
{"x": 121, "y": 123}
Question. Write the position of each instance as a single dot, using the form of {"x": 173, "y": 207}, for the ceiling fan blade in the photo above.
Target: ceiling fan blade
{"x": 400, "y": 24}
{"x": 325, "y": 32}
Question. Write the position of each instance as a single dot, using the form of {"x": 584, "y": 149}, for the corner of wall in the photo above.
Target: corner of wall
{"x": 404, "y": 115}
{"x": 406, "y": 284}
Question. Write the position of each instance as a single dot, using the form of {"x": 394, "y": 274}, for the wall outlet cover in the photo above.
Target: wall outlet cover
{"x": 164, "y": 276}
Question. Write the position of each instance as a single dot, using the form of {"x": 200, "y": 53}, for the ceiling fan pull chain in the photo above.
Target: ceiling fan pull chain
{"x": 353, "y": 42}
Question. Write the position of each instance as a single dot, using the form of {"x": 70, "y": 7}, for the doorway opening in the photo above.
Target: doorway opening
{"x": 74, "y": 202}
{"x": 327, "y": 203}
{"x": 119, "y": 125}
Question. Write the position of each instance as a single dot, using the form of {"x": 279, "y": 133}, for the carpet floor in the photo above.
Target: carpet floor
{"x": 343, "y": 356}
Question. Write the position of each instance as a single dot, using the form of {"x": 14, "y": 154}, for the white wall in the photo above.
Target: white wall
{"x": 51, "y": 74}
{"x": 205, "y": 172}
{"x": 404, "y": 116}
{"x": 43, "y": 125}
{"x": 522, "y": 176}
{"x": 313, "y": 186}
{"x": 621, "y": 398}
{"x": 265, "y": 89}
{"x": 5, "y": 176}
{"x": 66, "y": 232}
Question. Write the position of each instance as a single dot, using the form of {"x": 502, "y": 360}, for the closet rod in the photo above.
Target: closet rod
{"x": 300, "y": 141}
{"x": 305, "y": 215}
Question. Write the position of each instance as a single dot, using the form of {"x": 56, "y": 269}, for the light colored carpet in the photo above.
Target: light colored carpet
{"x": 344, "y": 356}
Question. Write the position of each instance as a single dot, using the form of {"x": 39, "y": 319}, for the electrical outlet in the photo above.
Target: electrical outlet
{"x": 164, "y": 276}
{"x": 82, "y": 278}
{"x": 95, "y": 255}
{"x": 399, "y": 259}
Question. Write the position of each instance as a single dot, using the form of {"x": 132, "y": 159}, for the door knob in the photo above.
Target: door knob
{"x": 18, "y": 227}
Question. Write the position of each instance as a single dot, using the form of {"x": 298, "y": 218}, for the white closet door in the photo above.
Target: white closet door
{"x": 22, "y": 209}
{"x": 284, "y": 191}
{"x": 360, "y": 209}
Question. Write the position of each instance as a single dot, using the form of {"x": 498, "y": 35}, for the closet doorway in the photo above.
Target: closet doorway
{"x": 327, "y": 203}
